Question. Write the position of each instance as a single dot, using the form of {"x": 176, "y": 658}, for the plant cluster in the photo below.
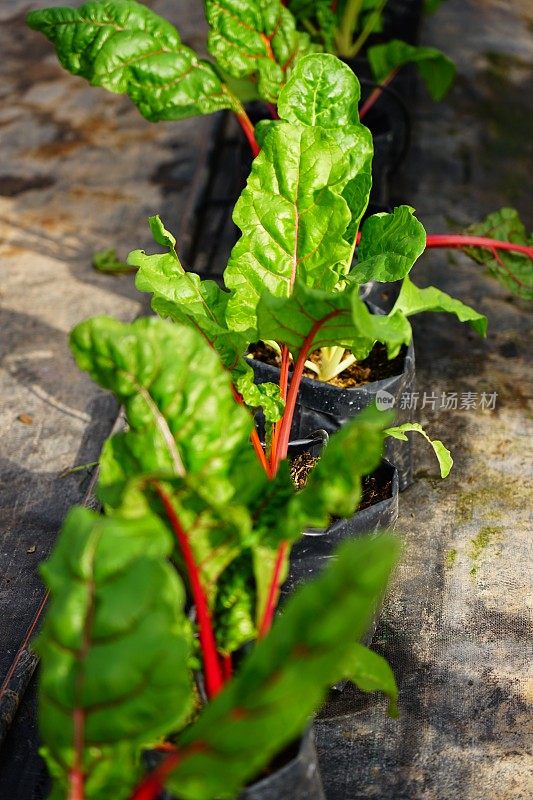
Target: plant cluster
{"x": 162, "y": 633}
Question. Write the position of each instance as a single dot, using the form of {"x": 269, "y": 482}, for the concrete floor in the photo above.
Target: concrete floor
{"x": 81, "y": 171}
{"x": 458, "y": 623}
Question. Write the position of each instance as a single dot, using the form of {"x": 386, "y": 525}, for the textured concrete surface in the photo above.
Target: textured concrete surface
{"x": 80, "y": 171}
{"x": 458, "y": 624}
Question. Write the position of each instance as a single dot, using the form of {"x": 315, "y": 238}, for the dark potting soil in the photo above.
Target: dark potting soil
{"x": 376, "y": 487}
{"x": 375, "y": 367}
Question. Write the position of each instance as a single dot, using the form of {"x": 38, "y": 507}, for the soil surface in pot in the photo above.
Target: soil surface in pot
{"x": 375, "y": 367}
{"x": 376, "y": 487}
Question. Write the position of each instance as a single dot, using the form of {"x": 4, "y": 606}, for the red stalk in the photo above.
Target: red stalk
{"x": 153, "y": 784}
{"x": 376, "y": 93}
{"x": 212, "y": 671}
{"x": 260, "y": 453}
{"x": 292, "y": 396}
{"x": 227, "y": 667}
{"x": 283, "y": 383}
{"x": 461, "y": 240}
{"x": 246, "y": 124}
{"x": 254, "y": 437}
{"x": 273, "y": 591}
{"x": 279, "y": 452}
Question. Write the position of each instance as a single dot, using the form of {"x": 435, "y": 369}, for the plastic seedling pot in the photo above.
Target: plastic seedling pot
{"x": 324, "y": 406}
{"x": 298, "y": 779}
{"x": 294, "y": 774}
{"x": 312, "y": 552}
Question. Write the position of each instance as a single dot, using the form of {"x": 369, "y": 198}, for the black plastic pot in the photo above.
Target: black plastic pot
{"x": 312, "y": 552}
{"x": 323, "y": 406}
{"x": 296, "y": 779}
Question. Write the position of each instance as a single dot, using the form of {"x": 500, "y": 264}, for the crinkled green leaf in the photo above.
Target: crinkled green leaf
{"x": 513, "y": 270}
{"x": 112, "y": 772}
{"x": 185, "y": 298}
{"x": 323, "y": 91}
{"x": 413, "y": 300}
{"x": 292, "y": 222}
{"x": 175, "y": 392}
{"x": 436, "y": 70}
{"x": 287, "y": 675}
{"x": 334, "y": 485}
{"x": 393, "y": 329}
{"x": 336, "y": 318}
{"x": 248, "y": 37}
{"x": 390, "y": 244}
{"x": 114, "y": 649}
{"x": 235, "y": 606}
{"x": 186, "y": 431}
{"x": 444, "y": 456}
{"x": 125, "y": 47}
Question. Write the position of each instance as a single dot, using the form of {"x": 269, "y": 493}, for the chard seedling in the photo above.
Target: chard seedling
{"x": 343, "y": 28}
{"x": 291, "y": 276}
{"x": 183, "y": 482}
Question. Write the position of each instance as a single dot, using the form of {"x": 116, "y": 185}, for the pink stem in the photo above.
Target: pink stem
{"x": 213, "y": 673}
{"x": 376, "y": 93}
{"x": 246, "y": 124}
{"x": 460, "y": 240}
{"x": 273, "y": 591}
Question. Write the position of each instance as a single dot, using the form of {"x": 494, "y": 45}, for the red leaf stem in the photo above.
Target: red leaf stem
{"x": 212, "y": 671}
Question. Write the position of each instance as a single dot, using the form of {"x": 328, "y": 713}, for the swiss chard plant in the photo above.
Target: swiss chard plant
{"x": 292, "y": 278}
{"x": 192, "y": 520}
{"x": 344, "y": 28}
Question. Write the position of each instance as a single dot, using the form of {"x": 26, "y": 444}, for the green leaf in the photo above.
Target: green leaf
{"x": 436, "y": 70}
{"x": 186, "y": 432}
{"x": 371, "y": 673}
{"x": 334, "y": 485}
{"x": 430, "y": 6}
{"x": 114, "y": 648}
{"x": 413, "y": 300}
{"x": 255, "y": 38}
{"x": 235, "y": 606}
{"x": 393, "y": 329}
{"x": 125, "y": 47}
{"x": 444, "y": 456}
{"x": 183, "y": 297}
{"x": 108, "y": 261}
{"x": 512, "y": 270}
{"x": 292, "y": 222}
{"x": 286, "y": 677}
{"x": 187, "y": 418}
{"x": 336, "y": 318}
{"x": 323, "y": 91}
{"x": 390, "y": 244}
{"x": 292, "y": 320}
